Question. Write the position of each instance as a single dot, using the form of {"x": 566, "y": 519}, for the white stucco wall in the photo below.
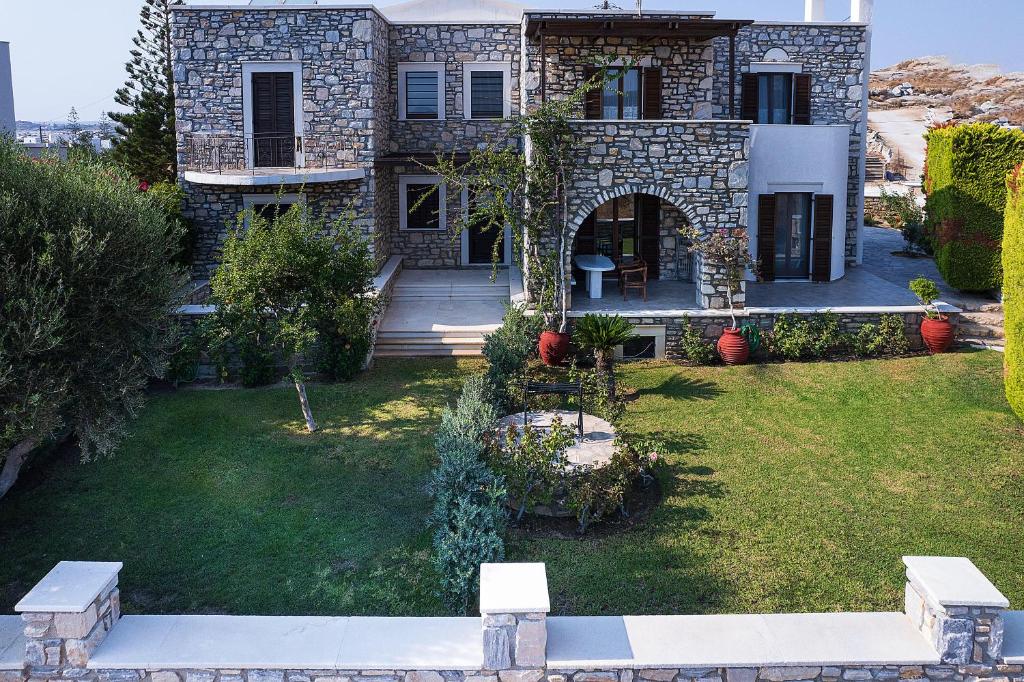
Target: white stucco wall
{"x": 6, "y": 90}
{"x": 797, "y": 158}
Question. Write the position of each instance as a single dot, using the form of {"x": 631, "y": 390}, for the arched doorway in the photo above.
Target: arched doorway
{"x": 636, "y": 226}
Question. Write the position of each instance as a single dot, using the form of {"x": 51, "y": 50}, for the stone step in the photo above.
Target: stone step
{"x": 463, "y": 292}
{"x": 448, "y": 336}
{"x": 981, "y": 331}
{"x": 446, "y": 341}
{"x": 425, "y": 351}
{"x": 987, "y": 344}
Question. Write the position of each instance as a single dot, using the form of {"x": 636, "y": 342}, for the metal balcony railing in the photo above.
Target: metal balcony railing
{"x": 225, "y": 153}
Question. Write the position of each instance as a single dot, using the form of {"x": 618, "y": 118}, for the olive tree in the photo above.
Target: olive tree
{"x": 306, "y": 284}
{"x": 87, "y": 289}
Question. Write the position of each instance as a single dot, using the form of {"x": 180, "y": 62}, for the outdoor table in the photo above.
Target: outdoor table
{"x": 595, "y": 267}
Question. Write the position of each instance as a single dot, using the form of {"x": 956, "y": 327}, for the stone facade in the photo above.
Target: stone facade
{"x": 349, "y": 60}
{"x": 834, "y": 55}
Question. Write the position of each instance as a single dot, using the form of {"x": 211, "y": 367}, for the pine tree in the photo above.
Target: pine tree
{"x": 74, "y": 125}
{"x": 146, "y": 144}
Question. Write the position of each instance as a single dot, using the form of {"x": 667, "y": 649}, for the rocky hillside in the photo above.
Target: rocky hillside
{"x": 968, "y": 92}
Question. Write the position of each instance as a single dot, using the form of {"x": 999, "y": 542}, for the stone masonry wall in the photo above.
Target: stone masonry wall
{"x": 834, "y": 56}
{"x": 700, "y": 167}
{"x": 340, "y": 51}
{"x": 454, "y": 45}
{"x": 418, "y": 248}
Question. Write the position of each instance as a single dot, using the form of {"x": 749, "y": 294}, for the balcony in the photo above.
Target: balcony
{"x": 263, "y": 160}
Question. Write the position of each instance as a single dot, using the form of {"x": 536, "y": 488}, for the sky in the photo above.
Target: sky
{"x": 72, "y": 52}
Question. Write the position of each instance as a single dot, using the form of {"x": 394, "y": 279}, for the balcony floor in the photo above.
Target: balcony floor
{"x": 273, "y": 177}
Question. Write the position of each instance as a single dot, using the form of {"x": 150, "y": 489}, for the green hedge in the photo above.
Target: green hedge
{"x": 1013, "y": 289}
{"x": 966, "y": 187}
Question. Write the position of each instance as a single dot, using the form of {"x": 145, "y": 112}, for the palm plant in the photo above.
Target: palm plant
{"x": 602, "y": 334}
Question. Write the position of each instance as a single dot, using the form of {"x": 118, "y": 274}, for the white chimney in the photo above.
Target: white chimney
{"x": 861, "y": 11}
{"x": 814, "y": 10}
{"x": 6, "y": 91}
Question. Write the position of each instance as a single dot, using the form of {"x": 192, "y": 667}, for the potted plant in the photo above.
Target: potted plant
{"x": 936, "y": 329}
{"x": 603, "y": 333}
{"x": 729, "y": 250}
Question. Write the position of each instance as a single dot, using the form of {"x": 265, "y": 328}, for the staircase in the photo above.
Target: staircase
{"x": 874, "y": 168}
{"x": 441, "y": 313}
{"x": 982, "y": 327}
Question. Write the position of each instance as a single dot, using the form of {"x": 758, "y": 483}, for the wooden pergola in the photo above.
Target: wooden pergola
{"x": 641, "y": 27}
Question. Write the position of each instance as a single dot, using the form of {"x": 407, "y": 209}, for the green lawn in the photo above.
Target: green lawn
{"x": 792, "y": 488}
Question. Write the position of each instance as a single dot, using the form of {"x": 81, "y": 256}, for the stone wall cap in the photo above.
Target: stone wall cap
{"x": 953, "y": 581}
{"x": 291, "y": 642}
{"x": 514, "y": 588}
{"x": 1013, "y": 637}
{"x": 69, "y": 587}
{"x": 12, "y": 643}
{"x": 736, "y": 641}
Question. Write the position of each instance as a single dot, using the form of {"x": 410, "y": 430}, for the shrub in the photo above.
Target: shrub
{"x": 468, "y": 515}
{"x": 595, "y": 493}
{"x": 1013, "y": 291}
{"x": 533, "y": 462}
{"x": 87, "y": 288}
{"x": 966, "y": 196}
{"x": 888, "y": 337}
{"x": 695, "y": 348}
{"x": 602, "y": 333}
{"x": 507, "y": 350}
{"x": 901, "y": 210}
{"x": 806, "y": 338}
{"x": 170, "y": 197}
{"x": 596, "y": 400}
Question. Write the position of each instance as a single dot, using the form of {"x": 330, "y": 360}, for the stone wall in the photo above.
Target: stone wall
{"x": 699, "y": 167}
{"x": 418, "y": 248}
{"x": 834, "y": 55}
{"x": 341, "y": 51}
{"x": 454, "y": 45}
{"x": 968, "y": 635}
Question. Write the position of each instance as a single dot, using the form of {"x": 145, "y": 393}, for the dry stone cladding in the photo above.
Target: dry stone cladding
{"x": 834, "y": 55}
{"x": 439, "y": 248}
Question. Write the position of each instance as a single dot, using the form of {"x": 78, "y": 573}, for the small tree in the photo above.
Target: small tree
{"x": 727, "y": 248}
{"x": 901, "y": 210}
{"x": 927, "y": 292}
{"x": 146, "y": 140}
{"x": 87, "y": 289}
{"x": 602, "y": 333}
{"x": 290, "y": 278}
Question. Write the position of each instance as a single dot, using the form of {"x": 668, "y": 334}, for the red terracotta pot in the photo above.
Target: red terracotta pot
{"x": 937, "y": 334}
{"x": 733, "y": 348}
{"x": 554, "y": 346}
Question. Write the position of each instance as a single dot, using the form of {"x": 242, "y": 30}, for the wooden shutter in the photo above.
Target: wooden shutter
{"x": 592, "y": 100}
{"x": 750, "y": 101}
{"x": 652, "y": 93}
{"x": 273, "y": 119}
{"x": 821, "y": 258}
{"x": 766, "y": 236}
{"x": 802, "y": 99}
{"x": 649, "y": 211}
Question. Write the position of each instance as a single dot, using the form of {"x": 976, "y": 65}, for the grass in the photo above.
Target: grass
{"x": 793, "y": 487}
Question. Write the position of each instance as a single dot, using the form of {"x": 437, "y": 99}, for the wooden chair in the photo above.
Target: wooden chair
{"x": 633, "y": 276}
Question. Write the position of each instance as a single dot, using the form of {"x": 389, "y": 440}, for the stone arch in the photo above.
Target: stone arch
{"x": 590, "y": 204}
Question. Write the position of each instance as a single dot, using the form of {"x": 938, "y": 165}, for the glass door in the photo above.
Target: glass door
{"x": 792, "y": 235}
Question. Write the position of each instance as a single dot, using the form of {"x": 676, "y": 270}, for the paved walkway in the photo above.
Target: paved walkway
{"x": 879, "y": 245}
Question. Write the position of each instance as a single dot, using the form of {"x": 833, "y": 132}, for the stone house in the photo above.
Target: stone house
{"x": 718, "y": 122}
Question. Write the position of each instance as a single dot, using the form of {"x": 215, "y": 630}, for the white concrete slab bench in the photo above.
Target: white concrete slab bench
{"x": 736, "y": 641}
{"x": 291, "y": 642}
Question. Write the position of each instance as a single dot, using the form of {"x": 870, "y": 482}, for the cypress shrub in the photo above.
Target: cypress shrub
{"x": 966, "y": 188}
{"x": 1013, "y": 290}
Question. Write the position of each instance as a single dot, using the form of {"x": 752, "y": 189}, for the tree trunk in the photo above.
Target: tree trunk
{"x": 16, "y": 457}
{"x": 605, "y": 365}
{"x": 300, "y": 386}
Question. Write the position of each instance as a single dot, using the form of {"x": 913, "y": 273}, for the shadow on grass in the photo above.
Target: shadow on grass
{"x": 678, "y": 387}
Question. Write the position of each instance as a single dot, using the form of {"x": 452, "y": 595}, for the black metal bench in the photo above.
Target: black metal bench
{"x": 562, "y": 388}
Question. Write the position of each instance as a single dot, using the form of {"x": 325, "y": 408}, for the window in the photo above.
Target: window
{"x": 620, "y": 98}
{"x": 775, "y": 98}
{"x": 421, "y": 202}
{"x": 270, "y": 206}
{"x": 421, "y": 91}
{"x": 487, "y": 90}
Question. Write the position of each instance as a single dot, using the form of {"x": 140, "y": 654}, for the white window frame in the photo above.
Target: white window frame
{"x": 776, "y": 67}
{"x": 655, "y": 330}
{"x": 248, "y": 69}
{"x": 406, "y": 67}
{"x": 506, "y": 253}
{"x": 403, "y": 202}
{"x": 468, "y": 68}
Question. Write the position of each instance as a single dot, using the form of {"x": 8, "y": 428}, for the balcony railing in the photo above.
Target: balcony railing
{"x": 255, "y": 154}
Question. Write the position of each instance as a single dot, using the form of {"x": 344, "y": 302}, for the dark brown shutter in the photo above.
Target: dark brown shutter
{"x": 766, "y": 236}
{"x": 749, "y": 103}
{"x": 592, "y": 100}
{"x": 802, "y": 99}
{"x": 649, "y": 210}
{"x": 822, "y": 257}
{"x": 273, "y": 119}
{"x": 652, "y": 93}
